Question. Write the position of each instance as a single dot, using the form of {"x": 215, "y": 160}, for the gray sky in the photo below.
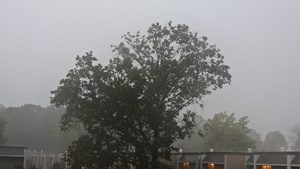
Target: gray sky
{"x": 260, "y": 40}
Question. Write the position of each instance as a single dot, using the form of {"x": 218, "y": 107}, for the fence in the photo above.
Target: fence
{"x": 43, "y": 160}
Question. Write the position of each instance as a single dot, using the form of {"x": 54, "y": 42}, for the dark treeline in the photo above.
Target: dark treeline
{"x": 37, "y": 128}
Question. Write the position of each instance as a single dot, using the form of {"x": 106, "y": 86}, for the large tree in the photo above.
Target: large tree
{"x": 274, "y": 140}
{"x": 130, "y": 106}
{"x": 224, "y": 133}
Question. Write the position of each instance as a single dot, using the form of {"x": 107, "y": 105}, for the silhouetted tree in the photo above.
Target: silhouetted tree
{"x": 130, "y": 106}
{"x": 275, "y": 140}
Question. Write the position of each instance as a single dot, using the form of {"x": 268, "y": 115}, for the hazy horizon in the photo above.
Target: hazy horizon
{"x": 259, "y": 39}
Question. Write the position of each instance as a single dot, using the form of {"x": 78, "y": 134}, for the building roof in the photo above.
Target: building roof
{"x": 296, "y": 160}
{"x": 250, "y": 160}
{"x": 12, "y": 151}
{"x": 213, "y": 158}
{"x": 189, "y": 158}
{"x": 278, "y": 158}
{"x": 272, "y": 158}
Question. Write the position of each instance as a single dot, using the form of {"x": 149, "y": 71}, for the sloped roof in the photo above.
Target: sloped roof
{"x": 213, "y": 158}
{"x": 251, "y": 159}
{"x": 188, "y": 158}
{"x": 296, "y": 160}
{"x": 272, "y": 159}
{"x": 12, "y": 150}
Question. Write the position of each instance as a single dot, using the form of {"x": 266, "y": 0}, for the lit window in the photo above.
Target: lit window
{"x": 266, "y": 167}
{"x": 211, "y": 166}
{"x": 185, "y": 165}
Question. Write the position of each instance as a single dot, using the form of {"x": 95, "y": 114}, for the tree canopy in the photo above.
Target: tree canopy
{"x": 224, "y": 133}
{"x": 130, "y": 107}
{"x": 274, "y": 140}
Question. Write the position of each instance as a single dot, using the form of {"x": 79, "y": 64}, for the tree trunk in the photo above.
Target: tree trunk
{"x": 154, "y": 162}
{"x": 146, "y": 164}
{"x": 154, "y": 151}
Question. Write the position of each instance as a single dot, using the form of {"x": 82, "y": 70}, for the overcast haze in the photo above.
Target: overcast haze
{"x": 259, "y": 39}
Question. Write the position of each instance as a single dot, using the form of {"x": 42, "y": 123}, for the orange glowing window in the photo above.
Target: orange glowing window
{"x": 266, "y": 167}
{"x": 211, "y": 166}
{"x": 185, "y": 165}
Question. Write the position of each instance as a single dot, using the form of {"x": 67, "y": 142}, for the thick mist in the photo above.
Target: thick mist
{"x": 40, "y": 40}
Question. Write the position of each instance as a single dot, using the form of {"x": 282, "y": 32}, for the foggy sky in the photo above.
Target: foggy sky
{"x": 260, "y": 41}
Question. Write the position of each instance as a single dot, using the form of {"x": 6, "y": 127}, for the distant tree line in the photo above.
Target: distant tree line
{"x": 38, "y": 128}
{"x": 35, "y": 127}
{"x": 224, "y": 132}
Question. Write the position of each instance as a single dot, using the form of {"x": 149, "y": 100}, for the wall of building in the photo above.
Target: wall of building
{"x": 219, "y": 166}
{"x": 192, "y": 166}
{"x": 235, "y": 162}
{"x": 279, "y": 167}
{"x": 11, "y": 162}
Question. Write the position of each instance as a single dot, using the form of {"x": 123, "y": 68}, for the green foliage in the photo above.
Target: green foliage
{"x": 224, "y": 133}
{"x": 274, "y": 140}
{"x": 130, "y": 106}
{"x": 162, "y": 165}
{"x": 86, "y": 154}
{"x": 295, "y": 137}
